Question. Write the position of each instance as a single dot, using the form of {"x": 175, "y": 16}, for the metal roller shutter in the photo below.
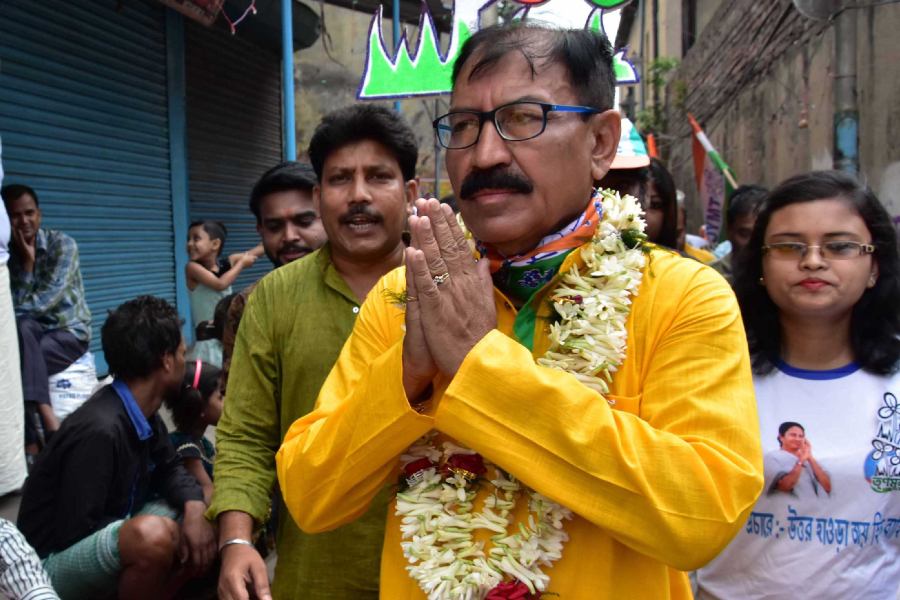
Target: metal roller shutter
{"x": 84, "y": 120}
{"x": 233, "y": 131}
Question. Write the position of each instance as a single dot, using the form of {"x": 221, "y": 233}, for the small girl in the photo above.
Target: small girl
{"x": 209, "y": 279}
{"x": 198, "y": 407}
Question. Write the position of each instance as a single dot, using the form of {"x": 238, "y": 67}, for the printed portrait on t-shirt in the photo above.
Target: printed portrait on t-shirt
{"x": 831, "y": 497}
{"x": 792, "y": 468}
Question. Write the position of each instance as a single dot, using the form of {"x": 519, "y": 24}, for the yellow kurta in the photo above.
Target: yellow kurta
{"x": 659, "y": 482}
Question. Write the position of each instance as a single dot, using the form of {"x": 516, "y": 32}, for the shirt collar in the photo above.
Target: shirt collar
{"x": 331, "y": 276}
{"x": 141, "y": 426}
{"x": 41, "y": 240}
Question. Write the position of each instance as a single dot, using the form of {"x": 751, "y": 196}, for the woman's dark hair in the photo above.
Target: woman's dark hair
{"x": 665, "y": 188}
{"x": 360, "y": 122}
{"x": 186, "y": 408}
{"x": 875, "y": 321}
{"x": 138, "y": 334}
{"x": 216, "y": 230}
{"x": 783, "y": 428}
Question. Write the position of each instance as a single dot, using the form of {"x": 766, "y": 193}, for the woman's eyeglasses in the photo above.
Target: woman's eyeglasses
{"x": 833, "y": 250}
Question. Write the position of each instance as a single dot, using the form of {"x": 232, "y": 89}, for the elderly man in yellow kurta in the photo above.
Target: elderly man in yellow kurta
{"x": 572, "y": 413}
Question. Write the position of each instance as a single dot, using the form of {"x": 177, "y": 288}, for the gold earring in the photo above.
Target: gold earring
{"x": 762, "y": 281}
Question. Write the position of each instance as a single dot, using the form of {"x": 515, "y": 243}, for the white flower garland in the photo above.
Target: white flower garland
{"x": 438, "y": 521}
{"x": 590, "y": 339}
{"x": 437, "y": 518}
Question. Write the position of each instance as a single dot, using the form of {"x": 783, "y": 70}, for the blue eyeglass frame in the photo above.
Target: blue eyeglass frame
{"x": 492, "y": 114}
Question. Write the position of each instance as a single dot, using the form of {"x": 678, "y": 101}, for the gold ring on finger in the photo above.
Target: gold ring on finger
{"x": 441, "y": 279}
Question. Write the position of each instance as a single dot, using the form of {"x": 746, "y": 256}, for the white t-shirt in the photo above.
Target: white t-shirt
{"x": 809, "y": 542}
{"x": 4, "y": 220}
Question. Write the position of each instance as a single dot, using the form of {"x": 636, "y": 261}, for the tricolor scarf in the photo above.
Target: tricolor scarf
{"x": 522, "y": 275}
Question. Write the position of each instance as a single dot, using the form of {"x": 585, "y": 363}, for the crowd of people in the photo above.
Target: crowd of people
{"x": 548, "y": 394}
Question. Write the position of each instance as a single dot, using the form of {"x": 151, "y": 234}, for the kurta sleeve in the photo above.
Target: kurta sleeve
{"x": 673, "y": 479}
{"x": 335, "y": 460}
{"x": 248, "y": 433}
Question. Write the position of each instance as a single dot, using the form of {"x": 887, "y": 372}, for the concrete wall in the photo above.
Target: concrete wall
{"x": 780, "y": 123}
{"x": 706, "y": 10}
{"x": 328, "y": 79}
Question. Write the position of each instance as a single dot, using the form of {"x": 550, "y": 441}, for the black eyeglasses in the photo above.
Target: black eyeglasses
{"x": 515, "y": 122}
{"x": 834, "y": 250}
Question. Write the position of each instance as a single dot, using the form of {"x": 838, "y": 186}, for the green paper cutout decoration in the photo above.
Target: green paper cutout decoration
{"x": 427, "y": 71}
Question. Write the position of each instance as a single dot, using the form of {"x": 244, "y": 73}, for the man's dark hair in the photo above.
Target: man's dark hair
{"x": 14, "y": 191}
{"x": 745, "y": 200}
{"x": 138, "y": 334}
{"x": 875, "y": 320}
{"x": 587, "y": 55}
{"x": 360, "y": 122}
{"x": 283, "y": 177}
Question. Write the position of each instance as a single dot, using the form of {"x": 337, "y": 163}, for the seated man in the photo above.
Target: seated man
{"x": 52, "y": 316}
{"x": 22, "y": 576}
{"x": 84, "y": 506}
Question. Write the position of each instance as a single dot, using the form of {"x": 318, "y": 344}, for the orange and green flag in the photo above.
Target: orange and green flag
{"x": 715, "y": 183}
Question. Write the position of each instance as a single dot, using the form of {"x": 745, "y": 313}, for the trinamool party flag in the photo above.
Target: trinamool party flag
{"x": 715, "y": 183}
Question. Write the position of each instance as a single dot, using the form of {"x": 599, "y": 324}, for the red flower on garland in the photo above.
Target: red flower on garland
{"x": 417, "y": 465}
{"x": 469, "y": 463}
{"x": 512, "y": 590}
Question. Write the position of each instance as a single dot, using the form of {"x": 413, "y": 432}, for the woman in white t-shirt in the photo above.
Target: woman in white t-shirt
{"x": 819, "y": 288}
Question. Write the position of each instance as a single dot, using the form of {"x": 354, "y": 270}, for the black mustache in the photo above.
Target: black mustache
{"x": 360, "y": 209}
{"x": 294, "y": 248}
{"x": 494, "y": 179}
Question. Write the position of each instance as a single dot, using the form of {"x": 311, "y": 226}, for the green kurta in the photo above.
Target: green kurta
{"x": 292, "y": 331}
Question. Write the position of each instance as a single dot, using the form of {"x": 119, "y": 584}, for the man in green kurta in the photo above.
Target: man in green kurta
{"x": 292, "y": 331}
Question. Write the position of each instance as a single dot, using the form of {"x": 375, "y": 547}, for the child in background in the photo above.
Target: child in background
{"x": 198, "y": 407}
{"x": 209, "y": 279}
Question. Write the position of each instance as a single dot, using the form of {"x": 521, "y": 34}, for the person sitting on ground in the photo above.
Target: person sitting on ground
{"x": 739, "y": 220}
{"x": 819, "y": 287}
{"x": 199, "y": 406}
{"x": 22, "y": 576}
{"x": 84, "y": 506}
{"x": 52, "y": 316}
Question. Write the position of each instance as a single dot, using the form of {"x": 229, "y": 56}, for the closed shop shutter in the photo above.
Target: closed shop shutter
{"x": 84, "y": 121}
{"x": 233, "y": 131}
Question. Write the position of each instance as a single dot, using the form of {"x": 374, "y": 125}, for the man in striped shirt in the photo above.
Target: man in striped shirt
{"x": 22, "y": 576}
